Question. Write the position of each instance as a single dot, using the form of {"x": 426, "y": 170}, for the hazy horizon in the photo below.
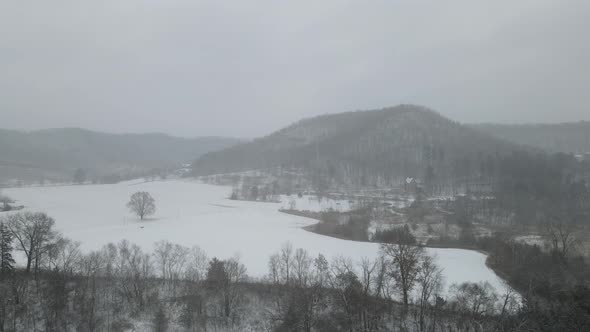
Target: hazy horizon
{"x": 172, "y": 134}
{"x": 190, "y": 69}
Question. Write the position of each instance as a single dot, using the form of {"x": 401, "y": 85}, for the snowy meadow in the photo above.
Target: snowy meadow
{"x": 195, "y": 214}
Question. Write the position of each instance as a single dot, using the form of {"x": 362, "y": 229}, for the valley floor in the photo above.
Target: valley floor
{"x": 191, "y": 213}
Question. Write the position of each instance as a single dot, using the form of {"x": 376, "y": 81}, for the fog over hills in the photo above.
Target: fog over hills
{"x": 301, "y": 166}
{"x": 389, "y": 143}
{"x": 382, "y": 144}
{"x": 572, "y": 137}
{"x": 55, "y": 154}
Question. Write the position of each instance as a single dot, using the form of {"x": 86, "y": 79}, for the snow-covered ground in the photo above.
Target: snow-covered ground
{"x": 313, "y": 204}
{"x": 533, "y": 240}
{"x": 190, "y": 213}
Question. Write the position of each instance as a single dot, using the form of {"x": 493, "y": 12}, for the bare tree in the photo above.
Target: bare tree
{"x": 171, "y": 259}
{"x": 286, "y": 262}
{"x": 236, "y": 274}
{"x": 371, "y": 277}
{"x": 224, "y": 279}
{"x": 274, "y": 267}
{"x": 349, "y": 297}
{"x": 91, "y": 267}
{"x": 197, "y": 264}
{"x": 476, "y": 299}
{"x": 64, "y": 256}
{"x": 369, "y": 270}
{"x": 560, "y": 237}
{"x": 142, "y": 204}
{"x": 509, "y": 300}
{"x": 296, "y": 298}
{"x": 430, "y": 282}
{"x": 302, "y": 264}
{"x": 163, "y": 254}
{"x": 404, "y": 265}
{"x": 33, "y": 233}
{"x": 80, "y": 176}
{"x": 134, "y": 270}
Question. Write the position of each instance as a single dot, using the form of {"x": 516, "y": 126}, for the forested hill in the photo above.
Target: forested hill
{"x": 366, "y": 147}
{"x": 56, "y": 154}
{"x": 571, "y": 137}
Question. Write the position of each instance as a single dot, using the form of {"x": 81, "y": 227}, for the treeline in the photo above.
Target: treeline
{"x": 539, "y": 188}
{"x": 351, "y": 225}
{"x": 554, "y": 284}
{"x": 553, "y": 279}
{"x": 527, "y": 190}
{"x": 55, "y": 154}
{"x": 122, "y": 287}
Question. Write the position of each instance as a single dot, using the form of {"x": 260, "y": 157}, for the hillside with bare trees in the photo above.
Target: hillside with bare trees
{"x": 367, "y": 148}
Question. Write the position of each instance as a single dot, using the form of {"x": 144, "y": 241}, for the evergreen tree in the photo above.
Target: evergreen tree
{"x": 6, "y": 260}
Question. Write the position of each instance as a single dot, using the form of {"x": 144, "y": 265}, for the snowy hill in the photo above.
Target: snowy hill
{"x": 365, "y": 147}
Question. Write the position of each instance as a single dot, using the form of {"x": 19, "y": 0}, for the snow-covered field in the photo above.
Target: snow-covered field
{"x": 190, "y": 213}
{"x": 313, "y": 204}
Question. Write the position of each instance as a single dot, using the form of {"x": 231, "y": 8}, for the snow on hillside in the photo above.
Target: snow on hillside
{"x": 191, "y": 213}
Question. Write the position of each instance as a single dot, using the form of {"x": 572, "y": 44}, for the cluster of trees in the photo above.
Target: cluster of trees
{"x": 64, "y": 289}
{"x": 5, "y": 202}
{"x": 554, "y": 284}
{"x": 253, "y": 190}
{"x": 401, "y": 290}
{"x": 552, "y": 278}
{"x": 85, "y": 176}
{"x": 555, "y": 188}
{"x": 35, "y": 235}
{"x": 554, "y": 194}
{"x": 402, "y": 235}
{"x": 351, "y": 225}
{"x": 529, "y": 190}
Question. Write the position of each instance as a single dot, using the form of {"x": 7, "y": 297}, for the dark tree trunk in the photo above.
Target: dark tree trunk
{"x": 29, "y": 263}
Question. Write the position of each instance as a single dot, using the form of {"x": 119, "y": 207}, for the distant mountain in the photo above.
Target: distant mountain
{"x": 57, "y": 153}
{"x": 571, "y": 137}
{"x": 366, "y": 147}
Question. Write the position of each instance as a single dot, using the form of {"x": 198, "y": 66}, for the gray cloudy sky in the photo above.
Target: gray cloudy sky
{"x": 246, "y": 68}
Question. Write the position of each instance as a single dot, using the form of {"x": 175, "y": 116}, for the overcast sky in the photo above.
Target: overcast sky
{"x": 246, "y": 68}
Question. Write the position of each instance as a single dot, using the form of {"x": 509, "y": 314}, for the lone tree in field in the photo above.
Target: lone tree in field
{"x": 142, "y": 204}
{"x": 80, "y": 176}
